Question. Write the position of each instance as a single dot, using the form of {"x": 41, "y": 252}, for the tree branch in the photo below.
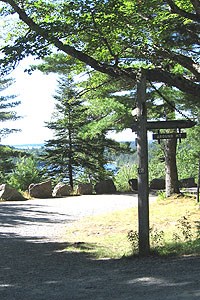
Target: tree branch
{"x": 154, "y": 75}
{"x": 175, "y": 9}
{"x": 196, "y": 5}
{"x": 102, "y": 37}
{"x": 183, "y": 60}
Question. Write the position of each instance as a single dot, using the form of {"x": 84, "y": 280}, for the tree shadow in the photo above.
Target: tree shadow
{"x": 35, "y": 269}
{"x": 16, "y": 214}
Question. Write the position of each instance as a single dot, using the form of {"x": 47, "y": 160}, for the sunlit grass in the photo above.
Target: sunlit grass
{"x": 105, "y": 236}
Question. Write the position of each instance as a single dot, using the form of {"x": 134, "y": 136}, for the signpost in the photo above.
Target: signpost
{"x": 141, "y": 126}
{"x": 143, "y": 182}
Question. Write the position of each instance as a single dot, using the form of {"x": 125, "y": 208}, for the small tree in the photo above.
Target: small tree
{"x": 26, "y": 172}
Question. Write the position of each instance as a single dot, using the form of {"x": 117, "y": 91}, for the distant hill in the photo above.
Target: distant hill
{"x": 28, "y": 146}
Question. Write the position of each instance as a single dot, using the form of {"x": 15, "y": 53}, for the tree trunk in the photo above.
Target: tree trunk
{"x": 171, "y": 177}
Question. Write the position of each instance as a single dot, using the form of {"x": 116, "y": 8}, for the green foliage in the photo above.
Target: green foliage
{"x": 8, "y": 157}
{"x": 122, "y": 177}
{"x": 161, "y": 195}
{"x": 71, "y": 153}
{"x": 115, "y": 37}
{"x": 133, "y": 238}
{"x": 7, "y": 104}
{"x": 156, "y": 239}
{"x": 108, "y": 106}
{"x": 156, "y": 162}
{"x": 184, "y": 230}
{"x": 183, "y": 240}
{"x": 188, "y": 154}
{"x": 26, "y": 172}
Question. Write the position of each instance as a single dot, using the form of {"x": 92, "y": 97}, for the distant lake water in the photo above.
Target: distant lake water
{"x": 109, "y": 166}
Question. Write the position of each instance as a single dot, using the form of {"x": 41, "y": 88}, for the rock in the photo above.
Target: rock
{"x": 133, "y": 183}
{"x": 187, "y": 183}
{"x": 61, "y": 190}
{"x": 85, "y": 189}
{"x": 9, "y": 193}
{"x": 157, "y": 184}
{"x": 105, "y": 187}
{"x": 41, "y": 190}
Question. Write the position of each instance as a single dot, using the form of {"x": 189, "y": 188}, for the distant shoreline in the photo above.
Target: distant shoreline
{"x": 27, "y": 146}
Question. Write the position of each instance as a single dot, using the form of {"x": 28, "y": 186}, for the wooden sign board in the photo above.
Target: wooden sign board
{"x": 167, "y": 136}
{"x": 171, "y": 124}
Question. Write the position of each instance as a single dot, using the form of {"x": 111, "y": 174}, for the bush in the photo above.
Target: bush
{"x": 26, "y": 172}
{"x": 124, "y": 174}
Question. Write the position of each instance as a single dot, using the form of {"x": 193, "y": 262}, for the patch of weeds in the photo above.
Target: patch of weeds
{"x": 197, "y": 225}
{"x": 133, "y": 238}
{"x": 156, "y": 237}
{"x": 184, "y": 227}
{"x": 184, "y": 240}
{"x": 161, "y": 195}
{"x": 181, "y": 248}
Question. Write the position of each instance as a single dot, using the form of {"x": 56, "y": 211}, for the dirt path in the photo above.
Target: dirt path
{"x": 35, "y": 267}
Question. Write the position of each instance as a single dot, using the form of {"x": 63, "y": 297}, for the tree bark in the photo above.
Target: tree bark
{"x": 171, "y": 177}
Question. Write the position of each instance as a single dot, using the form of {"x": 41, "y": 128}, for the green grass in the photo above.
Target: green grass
{"x": 173, "y": 223}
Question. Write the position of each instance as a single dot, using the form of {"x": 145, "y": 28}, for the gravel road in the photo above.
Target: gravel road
{"x": 35, "y": 267}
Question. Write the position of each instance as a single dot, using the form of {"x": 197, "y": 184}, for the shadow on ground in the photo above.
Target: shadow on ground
{"x": 39, "y": 270}
{"x": 35, "y": 270}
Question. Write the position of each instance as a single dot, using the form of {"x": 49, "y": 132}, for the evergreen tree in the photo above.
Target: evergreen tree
{"x": 7, "y": 161}
{"x": 7, "y": 103}
{"x": 70, "y": 153}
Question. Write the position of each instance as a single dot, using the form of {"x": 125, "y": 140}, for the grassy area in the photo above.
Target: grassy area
{"x": 173, "y": 221}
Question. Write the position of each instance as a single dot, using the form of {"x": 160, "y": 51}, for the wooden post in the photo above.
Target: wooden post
{"x": 143, "y": 182}
{"x": 198, "y": 183}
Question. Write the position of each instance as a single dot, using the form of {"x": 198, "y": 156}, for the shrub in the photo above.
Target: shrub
{"x": 26, "y": 172}
{"x": 124, "y": 174}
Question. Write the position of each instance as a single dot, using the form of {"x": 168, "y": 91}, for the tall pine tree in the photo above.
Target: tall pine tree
{"x": 69, "y": 152}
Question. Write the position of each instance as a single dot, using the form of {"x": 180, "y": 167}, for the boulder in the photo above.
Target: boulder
{"x": 85, "y": 189}
{"x": 157, "y": 184}
{"x": 61, "y": 190}
{"x": 9, "y": 193}
{"x": 133, "y": 183}
{"x": 41, "y": 190}
{"x": 187, "y": 183}
{"x": 105, "y": 187}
